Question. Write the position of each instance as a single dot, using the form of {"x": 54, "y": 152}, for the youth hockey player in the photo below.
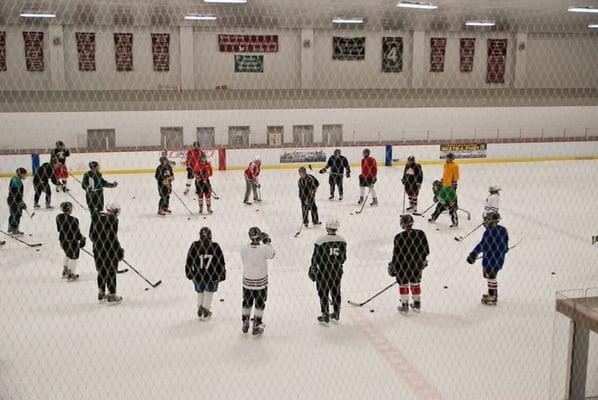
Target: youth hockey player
{"x": 71, "y": 240}
{"x": 494, "y": 245}
{"x": 450, "y": 176}
{"x": 251, "y": 180}
{"x": 164, "y": 176}
{"x": 206, "y": 268}
{"x": 413, "y": 177}
{"x": 107, "y": 251}
{"x": 203, "y": 187}
{"x": 446, "y": 197}
{"x": 59, "y": 155}
{"x": 16, "y": 205}
{"x": 408, "y": 262}
{"x": 337, "y": 164}
{"x": 93, "y": 183}
{"x": 492, "y": 201}
{"x": 255, "y": 258}
{"x": 41, "y": 183}
{"x": 308, "y": 186}
{"x": 329, "y": 255}
{"x": 368, "y": 177}
{"x": 194, "y": 155}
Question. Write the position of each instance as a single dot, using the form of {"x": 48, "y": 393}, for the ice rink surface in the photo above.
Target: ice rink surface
{"x": 58, "y": 343}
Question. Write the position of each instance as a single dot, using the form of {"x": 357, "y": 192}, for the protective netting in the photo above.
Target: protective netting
{"x": 265, "y": 88}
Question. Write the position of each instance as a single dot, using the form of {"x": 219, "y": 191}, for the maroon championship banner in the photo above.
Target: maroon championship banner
{"x": 438, "y": 49}
{"x": 2, "y": 51}
{"x": 161, "y": 51}
{"x": 123, "y": 50}
{"x": 248, "y": 43}
{"x": 466, "y": 53}
{"x": 497, "y": 60}
{"x": 86, "y": 50}
{"x": 34, "y": 51}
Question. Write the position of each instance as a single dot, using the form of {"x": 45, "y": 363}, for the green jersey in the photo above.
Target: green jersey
{"x": 330, "y": 252}
{"x": 446, "y": 195}
{"x": 94, "y": 182}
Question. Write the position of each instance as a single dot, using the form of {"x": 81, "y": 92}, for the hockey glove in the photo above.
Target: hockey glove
{"x": 222, "y": 276}
{"x": 471, "y": 258}
{"x": 82, "y": 242}
{"x": 435, "y": 199}
{"x": 121, "y": 254}
{"x": 311, "y": 273}
{"x": 323, "y": 171}
{"x": 266, "y": 238}
{"x": 391, "y": 269}
{"x": 114, "y": 184}
{"x": 454, "y": 186}
{"x": 425, "y": 264}
{"x": 403, "y": 181}
{"x": 23, "y": 206}
{"x": 348, "y": 174}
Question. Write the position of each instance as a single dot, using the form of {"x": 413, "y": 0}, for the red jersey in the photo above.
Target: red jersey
{"x": 253, "y": 170}
{"x": 203, "y": 171}
{"x": 193, "y": 158}
{"x": 369, "y": 167}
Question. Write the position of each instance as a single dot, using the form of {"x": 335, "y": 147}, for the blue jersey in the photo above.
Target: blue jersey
{"x": 494, "y": 245}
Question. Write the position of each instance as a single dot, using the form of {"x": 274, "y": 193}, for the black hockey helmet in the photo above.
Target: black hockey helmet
{"x": 450, "y": 156}
{"x": 66, "y": 207}
{"x": 196, "y": 145}
{"x": 255, "y": 233}
{"x": 406, "y": 221}
{"x": 302, "y": 170}
{"x": 492, "y": 218}
{"x": 411, "y": 159}
{"x": 163, "y": 158}
{"x": 205, "y": 234}
{"x": 337, "y": 152}
{"x": 59, "y": 143}
{"x": 21, "y": 171}
{"x": 94, "y": 164}
{"x": 436, "y": 185}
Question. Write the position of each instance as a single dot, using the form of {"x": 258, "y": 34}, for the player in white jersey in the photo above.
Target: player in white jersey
{"x": 492, "y": 201}
{"x": 255, "y": 258}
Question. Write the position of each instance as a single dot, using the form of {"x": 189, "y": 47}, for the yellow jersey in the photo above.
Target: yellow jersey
{"x": 451, "y": 174}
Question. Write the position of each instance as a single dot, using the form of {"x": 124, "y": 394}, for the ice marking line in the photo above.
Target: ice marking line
{"x": 405, "y": 370}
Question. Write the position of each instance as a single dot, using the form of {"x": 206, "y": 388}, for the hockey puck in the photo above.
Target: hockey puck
{"x": 146, "y": 288}
{"x": 446, "y": 287}
{"x": 204, "y": 217}
{"x": 371, "y": 310}
{"x": 134, "y": 198}
{"x": 38, "y": 250}
{"x": 189, "y": 219}
{"x": 351, "y": 213}
{"x": 552, "y": 273}
{"x": 221, "y": 300}
{"x": 437, "y": 229}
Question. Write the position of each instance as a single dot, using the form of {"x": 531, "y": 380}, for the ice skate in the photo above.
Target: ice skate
{"x": 161, "y": 212}
{"x": 72, "y": 277}
{"x": 15, "y": 232}
{"x": 200, "y": 312}
{"x": 210, "y": 210}
{"x": 114, "y": 299}
{"x": 2, "y": 242}
{"x": 403, "y": 308}
{"x": 49, "y": 207}
{"x": 258, "y": 328}
{"x": 245, "y": 326}
{"x": 374, "y": 202}
{"x": 317, "y": 223}
{"x": 186, "y": 191}
{"x": 65, "y": 272}
{"x": 360, "y": 200}
{"x": 331, "y": 197}
{"x": 36, "y": 206}
{"x": 454, "y": 226}
{"x": 489, "y": 300}
{"x": 206, "y": 313}
{"x": 324, "y": 318}
{"x": 247, "y": 203}
{"x": 416, "y": 306}
{"x": 168, "y": 210}
{"x": 101, "y": 296}
{"x": 335, "y": 316}
{"x": 340, "y": 198}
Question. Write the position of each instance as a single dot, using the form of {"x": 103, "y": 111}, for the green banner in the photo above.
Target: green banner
{"x": 249, "y": 63}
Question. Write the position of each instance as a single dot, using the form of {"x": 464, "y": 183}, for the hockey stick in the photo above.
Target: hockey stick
{"x": 373, "y": 297}
{"x": 30, "y": 215}
{"x": 75, "y": 178}
{"x": 299, "y": 231}
{"x": 325, "y": 172}
{"x": 461, "y": 238}
{"x": 89, "y": 253}
{"x": 214, "y": 195}
{"x": 466, "y": 212}
{"x": 142, "y": 277}
{"x": 363, "y": 204}
{"x": 510, "y": 248}
{"x": 421, "y": 214}
{"x": 22, "y": 241}
{"x": 182, "y": 202}
{"x": 404, "y": 195}
{"x": 76, "y": 201}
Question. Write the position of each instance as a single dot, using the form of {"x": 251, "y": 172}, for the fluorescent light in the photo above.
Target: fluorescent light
{"x": 593, "y": 26}
{"x": 31, "y": 14}
{"x": 226, "y": 1}
{"x": 339, "y": 20}
{"x": 421, "y": 6}
{"x": 200, "y": 17}
{"x": 480, "y": 23}
{"x": 592, "y": 10}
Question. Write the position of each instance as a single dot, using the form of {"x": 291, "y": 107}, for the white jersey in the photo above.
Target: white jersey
{"x": 492, "y": 202}
{"x": 255, "y": 265}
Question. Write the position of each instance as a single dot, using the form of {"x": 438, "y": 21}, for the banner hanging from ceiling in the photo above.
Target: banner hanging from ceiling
{"x": 497, "y": 60}
{"x": 348, "y": 49}
{"x": 161, "y": 51}
{"x": 466, "y": 54}
{"x": 2, "y": 51}
{"x": 123, "y": 50}
{"x": 437, "y": 52}
{"x": 34, "y": 51}
{"x": 248, "y": 43}
{"x": 86, "y": 50}
{"x": 392, "y": 54}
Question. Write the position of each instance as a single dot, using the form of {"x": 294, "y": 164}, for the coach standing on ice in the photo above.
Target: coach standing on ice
{"x": 413, "y": 176}
{"x": 93, "y": 183}
{"x": 450, "y": 176}
{"x": 337, "y": 164}
{"x": 308, "y": 186}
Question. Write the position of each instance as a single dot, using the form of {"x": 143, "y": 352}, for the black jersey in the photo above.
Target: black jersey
{"x": 68, "y": 228}
{"x": 412, "y": 176}
{"x": 330, "y": 253}
{"x": 205, "y": 262}
{"x": 307, "y": 186}
{"x": 59, "y": 155}
{"x": 338, "y": 165}
{"x": 164, "y": 175}
{"x": 104, "y": 235}
{"x": 410, "y": 249}
{"x": 45, "y": 174}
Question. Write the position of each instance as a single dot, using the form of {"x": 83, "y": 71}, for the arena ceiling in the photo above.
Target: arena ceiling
{"x": 510, "y": 15}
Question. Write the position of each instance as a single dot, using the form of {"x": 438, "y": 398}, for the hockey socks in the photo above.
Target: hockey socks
{"x": 493, "y": 288}
{"x": 207, "y": 300}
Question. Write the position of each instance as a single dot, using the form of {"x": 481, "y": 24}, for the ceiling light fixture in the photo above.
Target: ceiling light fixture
{"x": 593, "y": 26}
{"x": 339, "y": 20}
{"x": 226, "y": 1}
{"x": 480, "y": 23}
{"x": 200, "y": 17}
{"x": 416, "y": 5}
{"x": 33, "y": 14}
{"x": 591, "y": 10}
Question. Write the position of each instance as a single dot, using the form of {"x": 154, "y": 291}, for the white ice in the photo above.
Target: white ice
{"x": 57, "y": 342}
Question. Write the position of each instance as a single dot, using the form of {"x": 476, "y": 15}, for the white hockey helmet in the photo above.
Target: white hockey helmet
{"x": 114, "y": 207}
{"x": 258, "y": 158}
{"x": 494, "y": 188}
{"x": 332, "y": 224}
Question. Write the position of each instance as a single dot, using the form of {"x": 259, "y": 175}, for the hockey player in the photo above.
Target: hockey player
{"x": 337, "y": 164}
{"x": 164, "y": 176}
{"x": 329, "y": 255}
{"x": 308, "y": 186}
{"x": 494, "y": 245}
{"x": 408, "y": 262}
{"x": 255, "y": 258}
{"x": 41, "y": 183}
{"x": 252, "y": 183}
{"x": 206, "y": 268}
{"x": 16, "y": 205}
{"x": 107, "y": 251}
{"x": 413, "y": 177}
{"x": 450, "y": 176}
{"x": 93, "y": 183}
{"x": 194, "y": 155}
{"x": 446, "y": 197}
{"x": 71, "y": 240}
{"x": 59, "y": 155}
{"x": 203, "y": 187}
{"x": 492, "y": 201}
{"x": 368, "y": 177}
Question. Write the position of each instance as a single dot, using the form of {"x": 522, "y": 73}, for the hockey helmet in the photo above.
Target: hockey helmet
{"x": 21, "y": 172}
{"x": 332, "y": 224}
{"x": 406, "y": 221}
{"x": 114, "y": 207}
{"x": 411, "y": 159}
{"x": 59, "y": 143}
{"x": 196, "y": 145}
{"x": 255, "y": 233}
{"x": 366, "y": 152}
{"x": 492, "y": 218}
{"x": 436, "y": 185}
{"x": 94, "y": 164}
{"x": 163, "y": 158}
{"x": 258, "y": 158}
{"x": 337, "y": 152}
{"x": 450, "y": 156}
{"x": 494, "y": 188}
{"x": 302, "y": 170}
{"x": 66, "y": 207}
{"x": 205, "y": 234}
